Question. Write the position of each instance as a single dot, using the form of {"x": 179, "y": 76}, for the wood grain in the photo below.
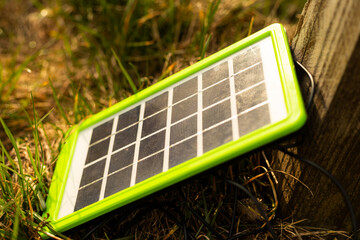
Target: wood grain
{"x": 327, "y": 42}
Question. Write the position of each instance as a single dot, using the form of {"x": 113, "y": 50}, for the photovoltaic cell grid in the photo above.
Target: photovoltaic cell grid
{"x": 208, "y": 109}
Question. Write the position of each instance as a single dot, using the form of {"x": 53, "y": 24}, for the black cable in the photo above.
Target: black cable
{"x": 192, "y": 210}
{"x": 312, "y": 82}
{"x": 244, "y": 234}
{"x": 261, "y": 211}
{"x": 308, "y": 103}
{"x": 238, "y": 185}
{"x": 234, "y": 204}
{"x": 180, "y": 224}
{"x": 216, "y": 233}
{"x": 336, "y": 182}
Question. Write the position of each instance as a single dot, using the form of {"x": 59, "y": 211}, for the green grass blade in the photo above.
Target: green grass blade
{"x": 62, "y": 112}
{"x": 9, "y": 158}
{"x": 35, "y": 166}
{"x": 16, "y": 224}
{"x": 100, "y": 80}
{"x": 8, "y": 176}
{"x": 47, "y": 139}
{"x": 37, "y": 142}
{"x": 137, "y": 74}
{"x": 212, "y": 11}
{"x": 6, "y": 186}
{"x": 126, "y": 74}
{"x": 207, "y": 21}
{"x": 45, "y": 116}
{"x": 125, "y": 22}
{"x": 202, "y": 36}
{"x": 86, "y": 105}
{"x": 216, "y": 212}
{"x": 41, "y": 201}
{"x": 36, "y": 162}
{"x": 206, "y": 46}
{"x": 14, "y": 144}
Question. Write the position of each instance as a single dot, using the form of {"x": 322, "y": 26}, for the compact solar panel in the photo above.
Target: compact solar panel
{"x": 228, "y": 104}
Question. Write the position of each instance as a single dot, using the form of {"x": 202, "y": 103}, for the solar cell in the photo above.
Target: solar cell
{"x": 97, "y": 150}
{"x": 114, "y": 185}
{"x": 216, "y": 93}
{"x": 248, "y": 77}
{"x": 102, "y": 131}
{"x": 215, "y": 74}
{"x": 246, "y": 59}
{"x": 122, "y": 159}
{"x": 154, "y": 123}
{"x": 128, "y": 118}
{"x": 184, "y": 108}
{"x": 253, "y": 119}
{"x": 185, "y": 90}
{"x": 222, "y": 132}
{"x": 183, "y": 129}
{"x": 156, "y": 104}
{"x": 87, "y": 195}
{"x": 149, "y": 166}
{"x": 238, "y": 94}
{"x": 92, "y": 172}
{"x": 125, "y": 137}
{"x": 182, "y": 151}
{"x": 152, "y": 144}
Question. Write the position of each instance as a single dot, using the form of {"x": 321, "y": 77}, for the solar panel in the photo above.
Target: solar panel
{"x": 227, "y": 104}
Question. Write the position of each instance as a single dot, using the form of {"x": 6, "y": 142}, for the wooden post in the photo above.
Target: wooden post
{"x": 327, "y": 42}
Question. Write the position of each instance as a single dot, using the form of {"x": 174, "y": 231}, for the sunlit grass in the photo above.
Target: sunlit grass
{"x": 24, "y": 184}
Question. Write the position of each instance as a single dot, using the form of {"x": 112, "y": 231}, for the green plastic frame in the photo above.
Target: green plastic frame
{"x": 295, "y": 119}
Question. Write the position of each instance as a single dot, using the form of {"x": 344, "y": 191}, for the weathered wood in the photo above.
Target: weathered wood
{"x": 327, "y": 42}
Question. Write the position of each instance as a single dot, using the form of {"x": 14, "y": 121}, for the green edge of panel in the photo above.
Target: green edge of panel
{"x": 296, "y": 118}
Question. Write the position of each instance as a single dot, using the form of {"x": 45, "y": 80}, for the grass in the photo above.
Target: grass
{"x": 66, "y": 60}
{"x": 22, "y": 192}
